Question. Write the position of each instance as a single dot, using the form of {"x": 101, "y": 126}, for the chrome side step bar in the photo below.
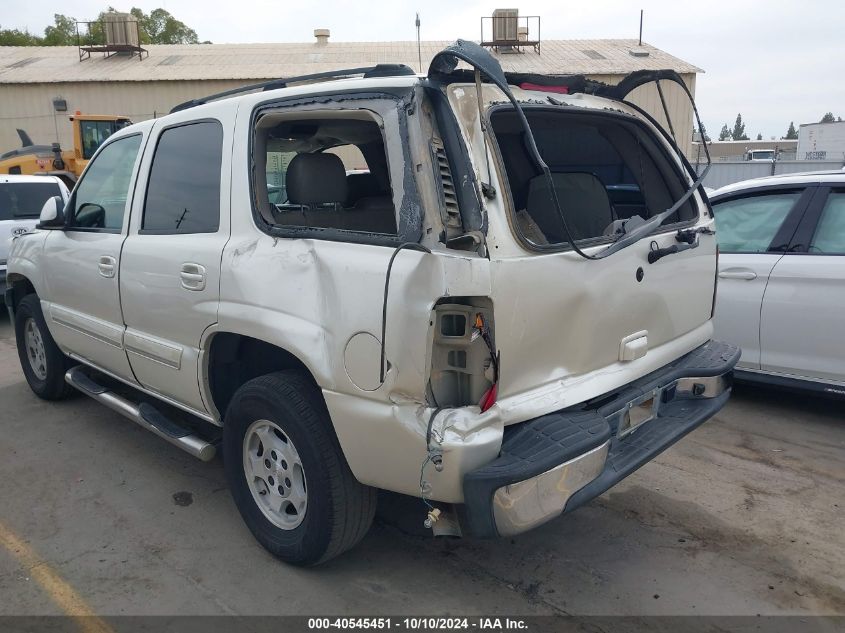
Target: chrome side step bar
{"x": 142, "y": 414}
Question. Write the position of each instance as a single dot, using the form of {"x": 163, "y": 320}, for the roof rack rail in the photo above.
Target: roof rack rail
{"x": 379, "y": 70}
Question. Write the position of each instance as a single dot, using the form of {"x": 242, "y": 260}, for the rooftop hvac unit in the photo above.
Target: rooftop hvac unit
{"x": 505, "y": 25}
{"x": 121, "y": 29}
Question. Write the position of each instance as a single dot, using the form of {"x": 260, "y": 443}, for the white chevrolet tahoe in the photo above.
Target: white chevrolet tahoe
{"x": 505, "y": 313}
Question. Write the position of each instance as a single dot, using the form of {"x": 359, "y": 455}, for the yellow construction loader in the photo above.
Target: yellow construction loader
{"x": 89, "y": 132}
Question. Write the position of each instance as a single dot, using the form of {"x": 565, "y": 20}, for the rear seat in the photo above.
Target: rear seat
{"x": 318, "y": 184}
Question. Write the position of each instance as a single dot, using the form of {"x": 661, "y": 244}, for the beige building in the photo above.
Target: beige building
{"x": 32, "y": 78}
{"x": 738, "y": 150}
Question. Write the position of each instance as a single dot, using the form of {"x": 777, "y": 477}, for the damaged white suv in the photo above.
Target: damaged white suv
{"x": 491, "y": 292}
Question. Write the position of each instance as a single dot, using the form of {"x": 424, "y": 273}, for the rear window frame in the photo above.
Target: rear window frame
{"x": 409, "y": 209}
{"x": 672, "y": 158}
{"x": 149, "y": 171}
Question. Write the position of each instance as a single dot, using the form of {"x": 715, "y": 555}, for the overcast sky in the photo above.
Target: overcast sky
{"x": 772, "y": 60}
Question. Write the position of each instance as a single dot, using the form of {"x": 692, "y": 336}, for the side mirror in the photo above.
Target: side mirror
{"x": 52, "y": 214}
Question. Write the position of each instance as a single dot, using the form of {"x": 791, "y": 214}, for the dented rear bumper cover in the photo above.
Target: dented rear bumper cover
{"x": 558, "y": 462}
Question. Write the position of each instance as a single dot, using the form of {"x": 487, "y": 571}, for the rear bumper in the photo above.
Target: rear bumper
{"x": 558, "y": 462}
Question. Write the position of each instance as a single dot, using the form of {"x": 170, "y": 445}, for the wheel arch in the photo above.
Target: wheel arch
{"x": 232, "y": 359}
{"x": 21, "y": 286}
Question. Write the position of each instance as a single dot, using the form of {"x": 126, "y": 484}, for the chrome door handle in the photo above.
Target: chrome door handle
{"x": 192, "y": 276}
{"x": 106, "y": 265}
{"x": 747, "y": 275}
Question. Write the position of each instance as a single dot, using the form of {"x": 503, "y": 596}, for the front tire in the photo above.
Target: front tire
{"x": 287, "y": 473}
{"x": 43, "y": 363}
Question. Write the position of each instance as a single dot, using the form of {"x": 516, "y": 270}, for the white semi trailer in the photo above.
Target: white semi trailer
{"x": 821, "y": 141}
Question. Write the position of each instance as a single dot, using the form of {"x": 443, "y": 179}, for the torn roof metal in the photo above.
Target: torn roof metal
{"x": 60, "y": 64}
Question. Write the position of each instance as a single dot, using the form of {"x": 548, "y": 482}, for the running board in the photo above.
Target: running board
{"x": 143, "y": 414}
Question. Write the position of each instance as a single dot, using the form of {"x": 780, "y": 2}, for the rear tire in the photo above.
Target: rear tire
{"x": 43, "y": 363}
{"x": 287, "y": 473}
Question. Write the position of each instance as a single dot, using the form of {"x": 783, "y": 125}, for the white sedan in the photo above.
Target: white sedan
{"x": 781, "y": 293}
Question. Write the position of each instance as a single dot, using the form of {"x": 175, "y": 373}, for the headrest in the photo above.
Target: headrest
{"x": 315, "y": 179}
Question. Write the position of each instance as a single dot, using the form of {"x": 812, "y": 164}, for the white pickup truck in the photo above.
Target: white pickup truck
{"x": 506, "y": 313}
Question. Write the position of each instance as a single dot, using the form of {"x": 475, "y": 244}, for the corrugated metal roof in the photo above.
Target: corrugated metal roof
{"x": 52, "y": 64}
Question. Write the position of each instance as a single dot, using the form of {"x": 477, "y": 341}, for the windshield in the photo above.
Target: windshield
{"x": 95, "y": 133}
{"x": 23, "y": 200}
{"x": 605, "y": 169}
{"x": 765, "y": 155}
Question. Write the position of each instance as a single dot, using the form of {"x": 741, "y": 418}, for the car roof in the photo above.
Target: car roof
{"x": 803, "y": 178}
{"x": 28, "y": 178}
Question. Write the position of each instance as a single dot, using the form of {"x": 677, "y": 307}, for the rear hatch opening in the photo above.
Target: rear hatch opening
{"x": 606, "y": 169}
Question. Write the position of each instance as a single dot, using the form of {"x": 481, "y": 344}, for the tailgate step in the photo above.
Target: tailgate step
{"x": 143, "y": 414}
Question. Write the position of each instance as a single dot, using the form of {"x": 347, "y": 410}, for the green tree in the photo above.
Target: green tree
{"x": 759, "y": 136}
{"x": 725, "y": 134}
{"x": 16, "y": 37}
{"x": 157, "y": 27}
{"x": 738, "y": 133}
{"x": 160, "y": 27}
{"x": 61, "y": 33}
{"x": 828, "y": 118}
{"x": 791, "y": 133}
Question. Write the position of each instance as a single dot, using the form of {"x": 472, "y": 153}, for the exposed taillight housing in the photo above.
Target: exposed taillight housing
{"x": 464, "y": 363}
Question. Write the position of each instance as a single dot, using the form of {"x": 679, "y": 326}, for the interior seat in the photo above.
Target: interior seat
{"x": 374, "y": 215}
{"x": 583, "y": 199}
{"x": 316, "y": 183}
{"x": 361, "y": 185}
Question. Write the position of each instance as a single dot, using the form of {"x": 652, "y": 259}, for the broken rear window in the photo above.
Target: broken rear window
{"x": 326, "y": 171}
{"x": 606, "y": 168}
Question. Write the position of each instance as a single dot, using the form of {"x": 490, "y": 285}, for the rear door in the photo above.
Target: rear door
{"x": 804, "y": 305}
{"x": 753, "y": 230}
{"x": 170, "y": 269}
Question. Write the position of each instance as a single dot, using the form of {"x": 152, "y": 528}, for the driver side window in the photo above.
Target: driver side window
{"x": 99, "y": 199}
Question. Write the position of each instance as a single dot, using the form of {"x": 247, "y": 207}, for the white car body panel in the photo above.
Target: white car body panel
{"x": 788, "y": 319}
{"x": 742, "y": 282}
{"x": 802, "y": 317}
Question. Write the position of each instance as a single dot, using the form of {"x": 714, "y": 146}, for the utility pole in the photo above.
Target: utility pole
{"x": 419, "y": 46}
{"x": 641, "y": 27}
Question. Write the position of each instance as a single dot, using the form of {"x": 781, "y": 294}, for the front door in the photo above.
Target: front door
{"x": 82, "y": 271}
{"x": 170, "y": 269}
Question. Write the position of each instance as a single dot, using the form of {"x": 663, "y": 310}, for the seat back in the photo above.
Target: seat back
{"x": 583, "y": 200}
{"x": 361, "y": 185}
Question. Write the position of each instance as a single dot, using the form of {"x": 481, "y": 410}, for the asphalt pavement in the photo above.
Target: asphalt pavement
{"x": 742, "y": 517}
